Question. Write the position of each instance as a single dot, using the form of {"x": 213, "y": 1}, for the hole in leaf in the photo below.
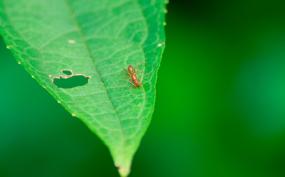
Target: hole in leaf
{"x": 67, "y": 72}
{"x": 68, "y": 80}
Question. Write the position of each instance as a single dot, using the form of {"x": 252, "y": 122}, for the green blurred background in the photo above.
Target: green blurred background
{"x": 220, "y": 108}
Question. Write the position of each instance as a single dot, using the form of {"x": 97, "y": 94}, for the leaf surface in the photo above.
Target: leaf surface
{"x": 79, "y": 50}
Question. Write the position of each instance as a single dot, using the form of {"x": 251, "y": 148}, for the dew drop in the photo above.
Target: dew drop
{"x": 160, "y": 44}
{"x": 71, "y": 41}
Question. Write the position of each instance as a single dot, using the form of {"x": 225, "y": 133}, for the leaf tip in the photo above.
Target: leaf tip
{"x": 124, "y": 171}
{"x": 123, "y": 165}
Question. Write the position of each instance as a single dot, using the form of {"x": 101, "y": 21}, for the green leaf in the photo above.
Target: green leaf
{"x": 79, "y": 50}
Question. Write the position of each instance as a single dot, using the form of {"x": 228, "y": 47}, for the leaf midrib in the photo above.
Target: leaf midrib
{"x": 79, "y": 30}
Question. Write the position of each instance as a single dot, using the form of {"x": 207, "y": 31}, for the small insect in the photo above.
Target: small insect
{"x": 133, "y": 76}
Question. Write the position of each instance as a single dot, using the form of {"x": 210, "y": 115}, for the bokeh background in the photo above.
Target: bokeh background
{"x": 220, "y": 108}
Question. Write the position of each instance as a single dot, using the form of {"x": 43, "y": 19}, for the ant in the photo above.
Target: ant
{"x": 133, "y": 76}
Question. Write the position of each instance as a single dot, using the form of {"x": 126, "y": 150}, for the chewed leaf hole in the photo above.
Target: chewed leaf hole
{"x": 67, "y": 72}
{"x": 70, "y": 80}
